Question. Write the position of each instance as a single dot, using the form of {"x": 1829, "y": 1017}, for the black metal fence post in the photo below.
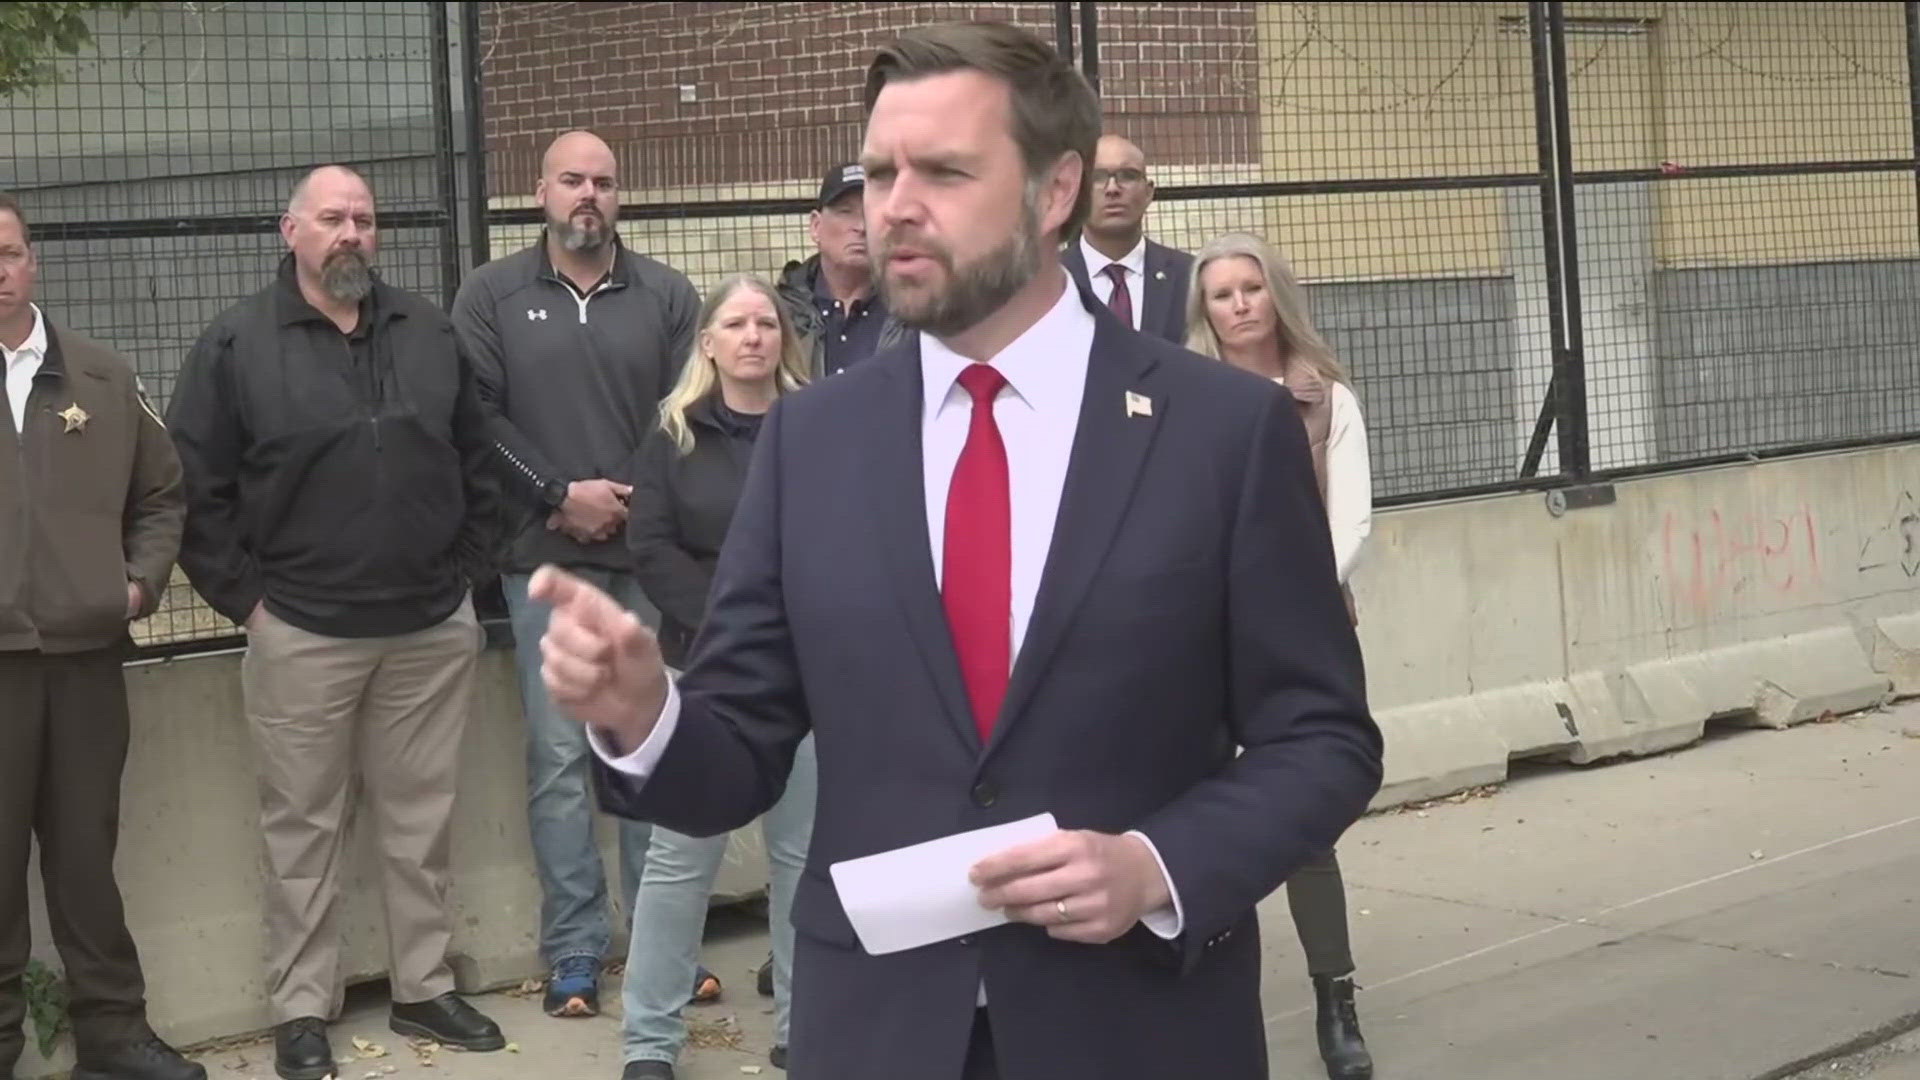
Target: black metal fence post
{"x": 1090, "y": 43}
{"x": 471, "y": 73}
{"x": 1570, "y": 359}
{"x": 1543, "y": 76}
{"x": 1913, "y": 87}
{"x": 445, "y": 175}
{"x": 1063, "y": 29}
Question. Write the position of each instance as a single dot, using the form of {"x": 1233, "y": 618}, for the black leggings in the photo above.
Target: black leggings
{"x": 1318, "y": 898}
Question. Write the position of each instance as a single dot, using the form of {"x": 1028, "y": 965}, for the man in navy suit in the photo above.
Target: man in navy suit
{"x": 1026, "y": 561}
{"x": 1143, "y": 283}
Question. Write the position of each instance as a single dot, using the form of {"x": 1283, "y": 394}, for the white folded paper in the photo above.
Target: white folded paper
{"x": 918, "y": 895}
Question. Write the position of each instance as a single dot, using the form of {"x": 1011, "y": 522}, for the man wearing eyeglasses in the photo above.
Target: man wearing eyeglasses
{"x": 1144, "y": 283}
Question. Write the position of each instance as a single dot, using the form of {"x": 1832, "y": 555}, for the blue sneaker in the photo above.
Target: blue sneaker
{"x": 574, "y": 987}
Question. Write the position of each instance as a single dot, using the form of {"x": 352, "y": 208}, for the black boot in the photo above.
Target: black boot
{"x": 447, "y": 1020}
{"x": 1341, "y": 1045}
{"x": 301, "y": 1050}
{"x": 147, "y": 1058}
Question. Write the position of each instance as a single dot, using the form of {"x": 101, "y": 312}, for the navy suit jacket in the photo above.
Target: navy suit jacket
{"x": 1189, "y": 671}
{"x": 1164, "y": 310}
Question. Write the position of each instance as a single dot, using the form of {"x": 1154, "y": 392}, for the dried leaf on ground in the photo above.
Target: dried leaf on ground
{"x": 721, "y": 1034}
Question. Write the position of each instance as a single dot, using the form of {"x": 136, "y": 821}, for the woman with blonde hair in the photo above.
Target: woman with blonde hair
{"x": 686, "y": 478}
{"x": 1244, "y": 306}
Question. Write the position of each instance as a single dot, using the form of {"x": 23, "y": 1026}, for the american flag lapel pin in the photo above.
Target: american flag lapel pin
{"x": 1139, "y": 404}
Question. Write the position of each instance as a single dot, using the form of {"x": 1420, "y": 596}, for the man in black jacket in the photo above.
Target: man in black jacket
{"x": 574, "y": 341}
{"x": 335, "y": 452}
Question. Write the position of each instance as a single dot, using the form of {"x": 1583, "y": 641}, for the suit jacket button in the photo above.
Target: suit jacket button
{"x": 985, "y": 794}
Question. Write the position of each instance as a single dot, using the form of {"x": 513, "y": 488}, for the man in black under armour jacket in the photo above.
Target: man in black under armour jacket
{"x": 574, "y": 339}
{"x": 339, "y": 508}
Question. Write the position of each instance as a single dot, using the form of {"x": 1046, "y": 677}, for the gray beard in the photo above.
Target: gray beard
{"x": 347, "y": 277}
{"x": 572, "y": 239}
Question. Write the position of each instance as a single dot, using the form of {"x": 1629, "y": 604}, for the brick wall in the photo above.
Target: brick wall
{"x": 777, "y": 85}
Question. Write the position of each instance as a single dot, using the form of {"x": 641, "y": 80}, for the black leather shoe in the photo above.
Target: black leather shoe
{"x": 778, "y": 1055}
{"x": 447, "y": 1020}
{"x": 1338, "y": 1025}
{"x": 763, "y": 979}
{"x": 149, "y": 1058}
{"x": 301, "y": 1050}
{"x": 647, "y": 1070}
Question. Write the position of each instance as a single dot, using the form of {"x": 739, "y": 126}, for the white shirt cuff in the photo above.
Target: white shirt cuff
{"x": 1169, "y": 921}
{"x": 640, "y": 763}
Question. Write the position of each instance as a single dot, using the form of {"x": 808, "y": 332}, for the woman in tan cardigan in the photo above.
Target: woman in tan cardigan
{"x": 1244, "y": 306}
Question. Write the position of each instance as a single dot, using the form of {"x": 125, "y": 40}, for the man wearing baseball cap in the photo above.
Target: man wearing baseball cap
{"x": 830, "y": 295}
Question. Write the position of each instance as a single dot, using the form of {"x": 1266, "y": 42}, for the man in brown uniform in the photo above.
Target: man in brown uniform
{"x": 90, "y": 520}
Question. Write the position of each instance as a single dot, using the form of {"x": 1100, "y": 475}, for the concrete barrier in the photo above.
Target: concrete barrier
{"x": 192, "y": 867}
{"x": 1494, "y": 629}
{"x": 1766, "y": 593}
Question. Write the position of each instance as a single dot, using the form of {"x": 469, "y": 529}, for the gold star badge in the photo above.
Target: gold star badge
{"x": 75, "y": 416}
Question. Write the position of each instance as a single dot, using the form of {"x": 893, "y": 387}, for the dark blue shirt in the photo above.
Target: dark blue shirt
{"x": 852, "y": 332}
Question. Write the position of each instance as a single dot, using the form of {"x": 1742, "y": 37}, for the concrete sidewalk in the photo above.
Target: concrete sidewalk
{"x": 1715, "y": 914}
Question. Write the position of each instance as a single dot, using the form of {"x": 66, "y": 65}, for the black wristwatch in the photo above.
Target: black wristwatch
{"x": 553, "y": 494}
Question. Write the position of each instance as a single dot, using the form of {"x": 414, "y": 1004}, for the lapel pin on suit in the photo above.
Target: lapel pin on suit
{"x": 1159, "y": 275}
{"x": 1139, "y": 405}
{"x": 75, "y": 416}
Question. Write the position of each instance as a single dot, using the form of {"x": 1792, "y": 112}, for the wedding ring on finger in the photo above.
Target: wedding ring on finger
{"x": 1061, "y": 907}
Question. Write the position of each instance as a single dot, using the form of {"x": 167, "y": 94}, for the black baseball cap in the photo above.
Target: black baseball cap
{"x": 840, "y": 180}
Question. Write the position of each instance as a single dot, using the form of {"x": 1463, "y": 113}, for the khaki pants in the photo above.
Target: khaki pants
{"x": 392, "y": 710}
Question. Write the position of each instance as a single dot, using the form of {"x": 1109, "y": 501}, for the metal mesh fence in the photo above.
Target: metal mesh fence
{"x": 155, "y": 170}
{"x": 1548, "y": 240}
{"x": 1746, "y": 226}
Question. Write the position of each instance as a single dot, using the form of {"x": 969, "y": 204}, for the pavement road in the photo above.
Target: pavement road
{"x": 1727, "y": 912}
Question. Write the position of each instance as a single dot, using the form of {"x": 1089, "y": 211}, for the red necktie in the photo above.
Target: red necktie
{"x": 977, "y": 564}
{"x": 1121, "y": 302}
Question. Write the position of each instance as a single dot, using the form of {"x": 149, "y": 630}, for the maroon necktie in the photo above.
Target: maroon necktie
{"x": 977, "y": 564}
{"x": 1121, "y": 302}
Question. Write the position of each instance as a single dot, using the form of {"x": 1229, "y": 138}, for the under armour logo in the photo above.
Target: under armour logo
{"x": 536, "y": 313}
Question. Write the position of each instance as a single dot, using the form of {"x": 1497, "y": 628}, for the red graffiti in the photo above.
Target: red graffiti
{"x": 1716, "y": 558}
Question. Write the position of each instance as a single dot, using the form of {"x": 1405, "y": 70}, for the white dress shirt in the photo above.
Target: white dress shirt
{"x": 1349, "y": 479}
{"x": 23, "y": 364}
{"x": 1135, "y": 264}
{"x": 1037, "y": 413}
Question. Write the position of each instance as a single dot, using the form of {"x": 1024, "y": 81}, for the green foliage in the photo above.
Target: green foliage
{"x": 46, "y": 1005}
{"x": 33, "y": 33}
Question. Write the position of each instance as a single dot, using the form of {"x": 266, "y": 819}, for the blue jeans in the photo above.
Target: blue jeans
{"x": 671, "y": 913}
{"x": 573, "y": 884}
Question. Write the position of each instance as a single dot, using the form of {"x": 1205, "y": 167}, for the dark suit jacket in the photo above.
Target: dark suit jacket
{"x": 1188, "y": 609}
{"x": 1165, "y": 312}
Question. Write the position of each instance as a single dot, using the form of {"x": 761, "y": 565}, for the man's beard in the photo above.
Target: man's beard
{"x": 346, "y": 276}
{"x": 972, "y": 292}
{"x": 592, "y": 237}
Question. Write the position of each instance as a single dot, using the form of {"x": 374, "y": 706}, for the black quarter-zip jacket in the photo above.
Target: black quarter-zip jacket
{"x": 571, "y": 381}
{"x": 341, "y": 478}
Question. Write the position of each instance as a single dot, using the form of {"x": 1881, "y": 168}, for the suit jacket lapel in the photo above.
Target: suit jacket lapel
{"x": 1076, "y": 263}
{"x": 1109, "y": 447}
{"x": 1165, "y": 292}
{"x": 900, "y": 520}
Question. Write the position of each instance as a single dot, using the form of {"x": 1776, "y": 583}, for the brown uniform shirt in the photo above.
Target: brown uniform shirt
{"x": 90, "y": 499}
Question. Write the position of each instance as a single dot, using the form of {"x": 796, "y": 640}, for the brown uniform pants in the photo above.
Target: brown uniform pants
{"x": 388, "y": 712}
{"x": 63, "y": 744}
